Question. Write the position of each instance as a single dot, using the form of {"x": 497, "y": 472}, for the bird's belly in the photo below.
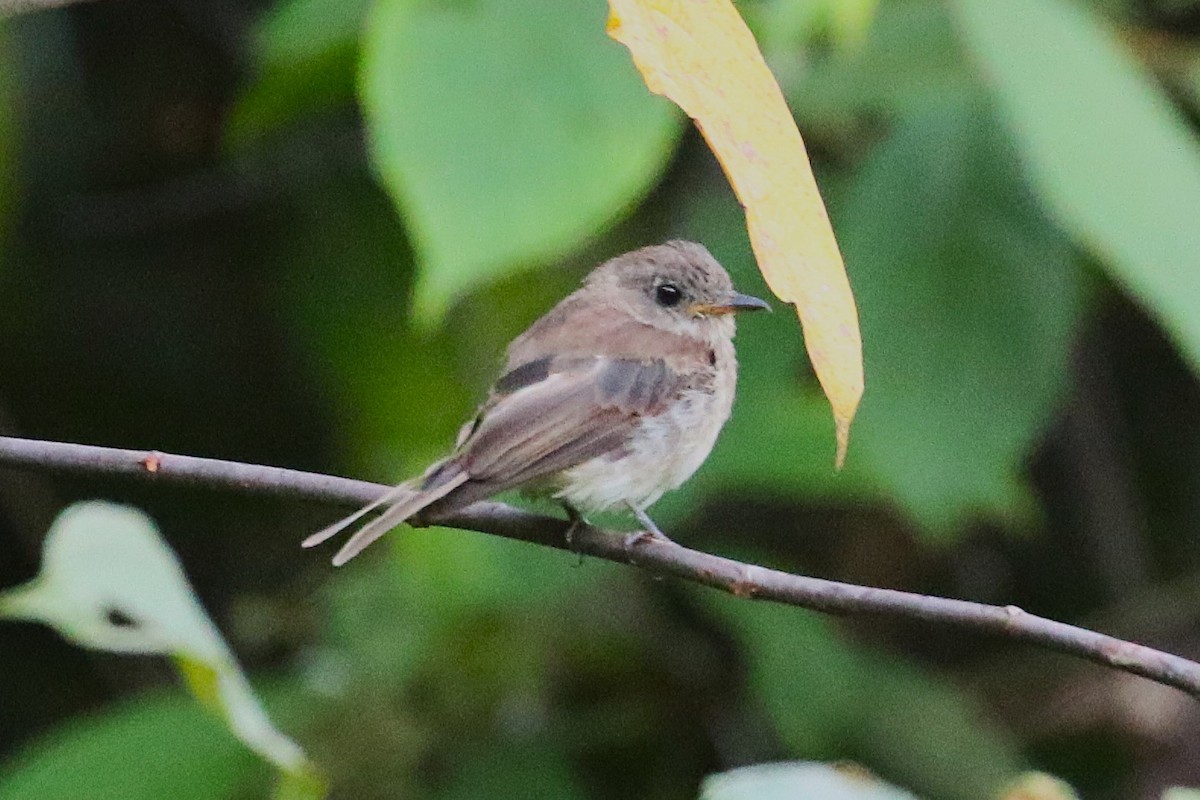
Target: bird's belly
{"x": 663, "y": 453}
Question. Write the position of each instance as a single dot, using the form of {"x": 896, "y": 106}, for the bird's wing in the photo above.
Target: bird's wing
{"x": 542, "y": 418}
{"x": 555, "y": 413}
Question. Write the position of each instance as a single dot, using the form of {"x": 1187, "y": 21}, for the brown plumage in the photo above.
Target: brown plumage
{"x": 613, "y": 397}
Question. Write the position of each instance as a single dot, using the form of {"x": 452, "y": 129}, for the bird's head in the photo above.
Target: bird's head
{"x": 677, "y": 286}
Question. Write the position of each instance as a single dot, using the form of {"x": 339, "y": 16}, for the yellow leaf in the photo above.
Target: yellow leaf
{"x": 700, "y": 55}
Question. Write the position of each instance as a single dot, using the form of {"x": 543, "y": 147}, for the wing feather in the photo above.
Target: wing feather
{"x": 546, "y": 414}
{"x": 588, "y": 409}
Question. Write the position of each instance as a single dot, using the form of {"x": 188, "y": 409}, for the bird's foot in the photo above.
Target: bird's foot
{"x": 577, "y": 522}
{"x": 651, "y": 533}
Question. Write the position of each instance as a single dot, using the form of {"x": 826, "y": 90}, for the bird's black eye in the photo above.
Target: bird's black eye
{"x": 667, "y": 294}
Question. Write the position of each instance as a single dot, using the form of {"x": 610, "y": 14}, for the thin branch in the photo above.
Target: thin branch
{"x": 14, "y": 7}
{"x": 662, "y": 558}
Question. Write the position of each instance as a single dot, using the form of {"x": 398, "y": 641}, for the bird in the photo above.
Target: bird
{"x": 612, "y": 398}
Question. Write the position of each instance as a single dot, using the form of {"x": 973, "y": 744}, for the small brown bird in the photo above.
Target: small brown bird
{"x": 611, "y": 399}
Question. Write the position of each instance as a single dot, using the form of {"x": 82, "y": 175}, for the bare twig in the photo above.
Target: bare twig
{"x": 14, "y": 7}
{"x": 663, "y": 558}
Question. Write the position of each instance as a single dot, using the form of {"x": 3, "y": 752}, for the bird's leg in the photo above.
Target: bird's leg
{"x": 577, "y": 521}
{"x": 651, "y": 530}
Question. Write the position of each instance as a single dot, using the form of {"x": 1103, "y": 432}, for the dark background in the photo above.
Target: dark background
{"x": 205, "y": 249}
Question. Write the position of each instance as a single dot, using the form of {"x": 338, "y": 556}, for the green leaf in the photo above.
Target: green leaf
{"x": 507, "y": 131}
{"x": 307, "y": 55}
{"x": 1040, "y": 786}
{"x": 796, "y": 780}
{"x": 807, "y": 681}
{"x": 1181, "y": 793}
{"x": 296, "y": 32}
{"x": 109, "y": 582}
{"x": 1110, "y": 157}
{"x": 923, "y": 733}
{"x": 147, "y": 750}
{"x": 968, "y": 301}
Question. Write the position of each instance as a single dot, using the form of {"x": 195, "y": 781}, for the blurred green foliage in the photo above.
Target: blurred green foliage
{"x": 1113, "y": 160}
{"x": 306, "y": 56}
{"x": 154, "y": 747}
{"x": 305, "y": 237}
{"x": 7, "y": 135}
{"x": 966, "y": 255}
{"x": 828, "y": 698}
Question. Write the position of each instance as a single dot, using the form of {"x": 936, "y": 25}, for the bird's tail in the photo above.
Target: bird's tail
{"x": 401, "y": 503}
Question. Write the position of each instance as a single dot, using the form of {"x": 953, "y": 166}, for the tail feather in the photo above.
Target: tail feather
{"x": 392, "y": 495}
{"x": 399, "y": 511}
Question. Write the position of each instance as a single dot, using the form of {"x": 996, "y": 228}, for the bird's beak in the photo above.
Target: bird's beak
{"x": 739, "y": 302}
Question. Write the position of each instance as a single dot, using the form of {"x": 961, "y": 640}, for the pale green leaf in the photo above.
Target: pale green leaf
{"x": 789, "y": 781}
{"x": 109, "y": 582}
{"x": 1038, "y": 786}
{"x": 1181, "y": 793}
{"x": 1113, "y": 161}
{"x": 507, "y": 131}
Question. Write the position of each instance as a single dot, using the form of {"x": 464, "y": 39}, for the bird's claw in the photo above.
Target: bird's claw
{"x": 632, "y": 540}
{"x": 577, "y": 522}
{"x": 651, "y": 533}
{"x": 569, "y": 533}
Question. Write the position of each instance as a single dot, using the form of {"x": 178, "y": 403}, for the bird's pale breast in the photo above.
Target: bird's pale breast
{"x": 664, "y": 451}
